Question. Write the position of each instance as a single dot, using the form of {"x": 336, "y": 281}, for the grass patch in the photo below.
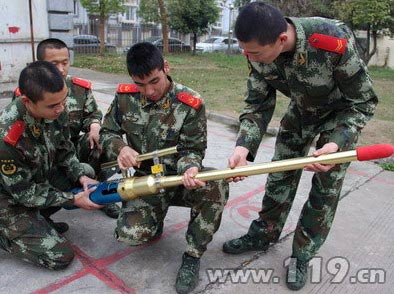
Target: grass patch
{"x": 388, "y": 166}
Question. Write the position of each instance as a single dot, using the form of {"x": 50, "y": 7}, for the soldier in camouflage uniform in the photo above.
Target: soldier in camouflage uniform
{"x": 37, "y": 164}
{"x": 156, "y": 113}
{"x": 84, "y": 115}
{"x": 314, "y": 62}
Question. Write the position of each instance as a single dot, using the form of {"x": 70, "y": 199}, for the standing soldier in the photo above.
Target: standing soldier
{"x": 84, "y": 115}
{"x": 156, "y": 113}
{"x": 37, "y": 164}
{"x": 314, "y": 62}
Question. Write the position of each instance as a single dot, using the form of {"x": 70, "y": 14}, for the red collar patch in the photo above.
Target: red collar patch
{"x": 17, "y": 92}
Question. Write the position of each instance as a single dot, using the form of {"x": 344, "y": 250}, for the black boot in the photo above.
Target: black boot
{"x": 112, "y": 210}
{"x": 188, "y": 274}
{"x": 255, "y": 240}
{"x": 297, "y": 273}
{"x": 60, "y": 227}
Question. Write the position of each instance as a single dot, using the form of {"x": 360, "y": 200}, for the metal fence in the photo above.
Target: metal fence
{"x": 120, "y": 36}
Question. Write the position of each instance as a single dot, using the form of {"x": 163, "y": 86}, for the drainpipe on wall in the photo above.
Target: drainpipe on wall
{"x": 31, "y": 32}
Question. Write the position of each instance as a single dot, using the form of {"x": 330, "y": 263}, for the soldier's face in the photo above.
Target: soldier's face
{"x": 48, "y": 108}
{"x": 155, "y": 85}
{"x": 60, "y": 58}
{"x": 264, "y": 54}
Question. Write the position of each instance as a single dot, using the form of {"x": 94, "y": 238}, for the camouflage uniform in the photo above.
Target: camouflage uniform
{"x": 83, "y": 111}
{"x": 150, "y": 126}
{"x": 30, "y": 151}
{"x": 331, "y": 98}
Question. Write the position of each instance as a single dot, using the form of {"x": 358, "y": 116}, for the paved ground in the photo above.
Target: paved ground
{"x": 358, "y": 256}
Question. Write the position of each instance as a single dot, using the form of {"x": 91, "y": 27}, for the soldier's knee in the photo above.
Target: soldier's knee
{"x": 217, "y": 191}
{"x": 137, "y": 235}
{"x": 88, "y": 169}
{"x": 59, "y": 257}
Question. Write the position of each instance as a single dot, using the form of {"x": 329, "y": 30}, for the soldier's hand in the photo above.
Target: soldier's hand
{"x": 94, "y": 136}
{"x": 86, "y": 181}
{"x": 238, "y": 158}
{"x": 326, "y": 149}
{"x": 189, "y": 181}
{"x": 82, "y": 200}
{"x": 128, "y": 158}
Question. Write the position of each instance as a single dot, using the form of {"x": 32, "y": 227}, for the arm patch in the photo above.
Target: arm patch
{"x": 189, "y": 99}
{"x": 328, "y": 43}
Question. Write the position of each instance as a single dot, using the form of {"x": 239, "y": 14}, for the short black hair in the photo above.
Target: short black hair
{"x": 261, "y": 22}
{"x": 143, "y": 58}
{"x": 39, "y": 77}
{"x": 51, "y": 43}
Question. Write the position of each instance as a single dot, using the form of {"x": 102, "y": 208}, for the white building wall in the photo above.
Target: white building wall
{"x": 385, "y": 53}
{"x": 15, "y": 38}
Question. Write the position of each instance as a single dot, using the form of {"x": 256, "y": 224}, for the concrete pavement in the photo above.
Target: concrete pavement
{"x": 358, "y": 256}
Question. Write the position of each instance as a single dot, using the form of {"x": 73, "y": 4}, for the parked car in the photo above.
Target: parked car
{"x": 174, "y": 45}
{"x": 90, "y": 44}
{"x": 218, "y": 44}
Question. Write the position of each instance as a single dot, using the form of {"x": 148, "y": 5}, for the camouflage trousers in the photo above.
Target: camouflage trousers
{"x": 92, "y": 157}
{"x": 25, "y": 233}
{"x": 319, "y": 210}
{"x": 142, "y": 220}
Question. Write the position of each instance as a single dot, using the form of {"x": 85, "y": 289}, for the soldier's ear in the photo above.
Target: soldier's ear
{"x": 166, "y": 67}
{"x": 26, "y": 101}
{"x": 283, "y": 37}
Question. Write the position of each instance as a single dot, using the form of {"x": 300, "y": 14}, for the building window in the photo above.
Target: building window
{"x": 131, "y": 13}
{"x": 76, "y": 8}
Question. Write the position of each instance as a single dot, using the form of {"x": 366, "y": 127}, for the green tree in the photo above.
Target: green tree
{"x": 240, "y": 3}
{"x": 304, "y": 8}
{"x": 297, "y": 7}
{"x": 374, "y": 16}
{"x": 102, "y": 9}
{"x": 192, "y": 17}
{"x": 156, "y": 11}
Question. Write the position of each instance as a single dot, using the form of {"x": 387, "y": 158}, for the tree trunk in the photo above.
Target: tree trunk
{"x": 164, "y": 25}
{"x": 194, "y": 42}
{"x": 374, "y": 48}
{"x": 102, "y": 33}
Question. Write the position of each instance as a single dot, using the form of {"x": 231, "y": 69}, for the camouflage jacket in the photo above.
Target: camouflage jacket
{"x": 29, "y": 149}
{"x": 81, "y": 106}
{"x": 328, "y": 85}
{"x": 150, "y": 126}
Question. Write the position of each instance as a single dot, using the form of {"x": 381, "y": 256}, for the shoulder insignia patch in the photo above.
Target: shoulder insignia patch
{"x": 189, "y": 99}
{"x": 17, "y": 92}
{"x": 15, "y": 132}
{"x": 83, "y": 83}
{"x": 127, "y": 89}
{"x": 329, "y": 43}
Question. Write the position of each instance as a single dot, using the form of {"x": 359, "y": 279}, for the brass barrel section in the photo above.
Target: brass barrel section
{"x": 145, "y": 156}
{"x": 133, "y": 188}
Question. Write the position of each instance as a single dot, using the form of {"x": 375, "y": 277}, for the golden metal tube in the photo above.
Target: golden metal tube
{"x": 133, "y": 188}
{"x": 157, "y": 153}
{"x": 145, "y": 156}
